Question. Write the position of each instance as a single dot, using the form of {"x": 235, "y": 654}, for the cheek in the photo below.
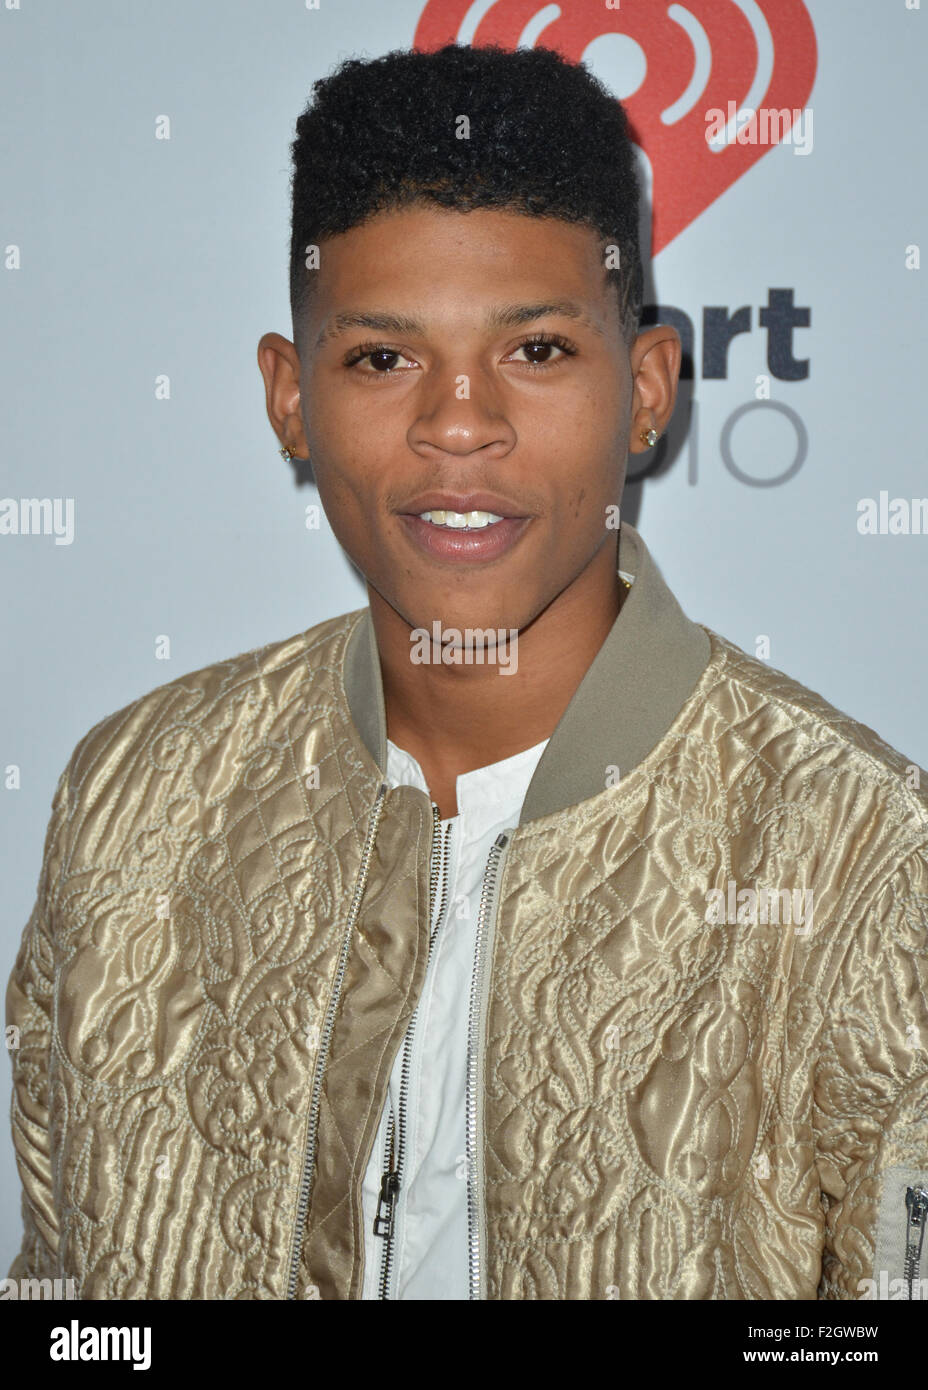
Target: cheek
{"x": 587, "y": 509}
{"x": 344, "y": 497}
{"x": 593, "y": 482}
{"x": 345, "y": 446}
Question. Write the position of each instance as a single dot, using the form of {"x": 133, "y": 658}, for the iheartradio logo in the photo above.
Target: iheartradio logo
{"x": 712, "y": 84}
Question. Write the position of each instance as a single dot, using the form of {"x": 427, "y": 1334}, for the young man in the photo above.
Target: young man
{"x": 515, "y": 937}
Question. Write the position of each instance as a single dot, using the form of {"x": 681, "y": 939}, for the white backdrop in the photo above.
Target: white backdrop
{"x": 129, "y": 259}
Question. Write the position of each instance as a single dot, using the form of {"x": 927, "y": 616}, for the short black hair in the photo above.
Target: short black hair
{"x": 545, "y": 138}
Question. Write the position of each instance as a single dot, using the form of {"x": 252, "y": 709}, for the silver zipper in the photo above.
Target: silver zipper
{"x": 474, "y": 1142}
{"x": 916, "y": 1208}
{"x": 325, "y": 1039}
{"x": 395, "y": 1146}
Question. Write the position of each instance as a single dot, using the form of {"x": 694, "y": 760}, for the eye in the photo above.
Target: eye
{"x": 539, "y": 349}
{"x": 382, "y": 360}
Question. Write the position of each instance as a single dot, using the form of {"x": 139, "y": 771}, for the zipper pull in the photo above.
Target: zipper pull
{"x": 916, "y": 1204}
{"x": 389, "y": 1191}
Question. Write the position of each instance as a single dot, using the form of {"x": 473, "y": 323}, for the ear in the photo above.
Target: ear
{"x": 655, "y": 359}
{"x": 280, "y": 368}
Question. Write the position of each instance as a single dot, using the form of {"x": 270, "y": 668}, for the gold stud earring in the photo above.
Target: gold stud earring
{"x": 649, "y": 437}
{"x": 287, "y": 453}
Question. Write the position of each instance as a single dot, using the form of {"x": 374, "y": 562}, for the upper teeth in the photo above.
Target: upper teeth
{"x": 460, "y": 520}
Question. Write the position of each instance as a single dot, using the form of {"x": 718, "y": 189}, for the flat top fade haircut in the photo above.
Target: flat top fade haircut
{"x": 545, "y": 138}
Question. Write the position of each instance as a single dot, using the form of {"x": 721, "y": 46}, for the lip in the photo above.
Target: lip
{"x": 462, "y": 502}
{"x": 488, "y": 543}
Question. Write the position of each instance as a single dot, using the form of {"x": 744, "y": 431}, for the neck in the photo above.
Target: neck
{"x": 454, "y": 718}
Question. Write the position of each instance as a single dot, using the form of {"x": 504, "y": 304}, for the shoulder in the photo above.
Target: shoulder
{"x": 238, "y": 699}
{"x": 793, "y": 745}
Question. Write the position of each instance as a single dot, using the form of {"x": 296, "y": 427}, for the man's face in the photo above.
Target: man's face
{"x": 460, "y": 408}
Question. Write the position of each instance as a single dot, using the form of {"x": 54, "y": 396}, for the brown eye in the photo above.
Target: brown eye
{"x": 383, "y": 361}
{"x": 539, "y": 352}
{"x": 375, "y": 359}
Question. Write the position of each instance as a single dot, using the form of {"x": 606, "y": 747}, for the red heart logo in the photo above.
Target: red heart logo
{"x": 704, "y": 56}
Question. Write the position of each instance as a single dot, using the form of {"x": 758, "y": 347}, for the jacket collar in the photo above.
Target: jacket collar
{"x": 635, "y": 687}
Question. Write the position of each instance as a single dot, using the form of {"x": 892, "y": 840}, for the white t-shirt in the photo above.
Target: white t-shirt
{"x": 430, "y": 1232}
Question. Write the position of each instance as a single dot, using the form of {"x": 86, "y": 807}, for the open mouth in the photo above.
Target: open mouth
{"x": 461, "y": 521}
{"x": 463, "y": 536}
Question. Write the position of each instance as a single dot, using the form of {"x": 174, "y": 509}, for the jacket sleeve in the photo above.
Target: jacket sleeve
{"x": 871, "y": 1095}
{"x": 29, "y": 1012}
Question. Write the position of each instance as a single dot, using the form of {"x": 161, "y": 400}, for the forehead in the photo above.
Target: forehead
{"x": 430, "y": 262}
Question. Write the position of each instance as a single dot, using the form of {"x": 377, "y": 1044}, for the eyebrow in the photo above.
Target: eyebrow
{"x": 503, "y": 316}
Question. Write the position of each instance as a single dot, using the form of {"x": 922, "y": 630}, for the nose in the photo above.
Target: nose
{"x": 460, "y": 412}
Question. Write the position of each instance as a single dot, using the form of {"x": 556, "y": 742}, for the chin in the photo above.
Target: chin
{"x": 460, "y": 619}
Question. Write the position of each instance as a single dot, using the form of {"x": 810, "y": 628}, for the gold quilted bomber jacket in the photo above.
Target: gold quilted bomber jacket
{"x": 666, "y": 1099}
